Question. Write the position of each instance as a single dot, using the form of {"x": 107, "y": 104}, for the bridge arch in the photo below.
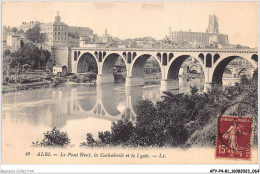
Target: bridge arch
{"x": 109, "y": 62}
{"x": 87, "y": 103}
{"x": 137, "y": 66}
{"x": 201, "y": 56}
{"x": 208, "y": 60}
{"x": 219, "y": 67}
{"x": 86, "y": 63}
{"x": 216, "y": 57}
{"x": 75, "y": 55}
{"x": 254, "y": 57}
{"x": 175, "y": 65}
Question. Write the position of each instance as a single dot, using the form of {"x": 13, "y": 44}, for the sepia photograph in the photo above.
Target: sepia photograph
{"x": 120, "y": 82}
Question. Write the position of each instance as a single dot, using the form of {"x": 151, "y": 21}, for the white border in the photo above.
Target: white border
{"x": 169, "y": 168}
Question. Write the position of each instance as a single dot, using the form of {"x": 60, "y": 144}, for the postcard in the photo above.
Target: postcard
{"x": 162, "y": 82}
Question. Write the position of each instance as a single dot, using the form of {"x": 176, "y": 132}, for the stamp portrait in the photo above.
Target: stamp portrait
{"x": 234, "y": 135}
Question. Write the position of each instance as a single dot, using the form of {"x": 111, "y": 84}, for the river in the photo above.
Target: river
{"x": 78, "y": 110}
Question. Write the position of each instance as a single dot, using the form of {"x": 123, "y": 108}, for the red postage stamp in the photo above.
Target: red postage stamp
{"x": 234, "y": 137}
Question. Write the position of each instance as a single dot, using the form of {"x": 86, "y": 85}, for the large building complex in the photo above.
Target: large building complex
{"x": 28, "y": 25}
{"x": 211, "y": 35}
{"x": 58, "y": 33}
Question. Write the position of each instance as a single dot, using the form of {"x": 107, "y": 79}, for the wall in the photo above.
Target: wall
{"x": 61, "y": 56}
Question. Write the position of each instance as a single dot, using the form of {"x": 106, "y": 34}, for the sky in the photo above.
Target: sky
{"x": 140, "y": 19}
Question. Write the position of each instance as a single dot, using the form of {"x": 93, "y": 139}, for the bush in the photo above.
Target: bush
{"x": 92, "y": 76}
{"x": 182, "y": 120}
{"x": 54, "y": 137}
{"x": 56, "y": 82}
{"x": 119, "y": 77}
{"x": 120, "y": 135}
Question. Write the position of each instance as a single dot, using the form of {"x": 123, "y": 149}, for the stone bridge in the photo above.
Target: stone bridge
{"x": 237, "y": 70}
{"x": 212, "y": 61}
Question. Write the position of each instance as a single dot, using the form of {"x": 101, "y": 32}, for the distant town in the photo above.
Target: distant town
{"x": 60, "y": 34}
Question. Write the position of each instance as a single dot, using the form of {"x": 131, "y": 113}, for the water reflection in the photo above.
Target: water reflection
{"x": 185, "y": 83}
{"x": 55, "y": 107}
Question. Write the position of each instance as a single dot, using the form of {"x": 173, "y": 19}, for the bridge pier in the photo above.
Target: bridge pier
{"x": 105, "y": 78}
{"x": 134, "y": 81}
{"x": 167, "y": 84}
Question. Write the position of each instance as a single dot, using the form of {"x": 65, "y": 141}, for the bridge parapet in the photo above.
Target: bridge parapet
{"x": 211, "y": 50}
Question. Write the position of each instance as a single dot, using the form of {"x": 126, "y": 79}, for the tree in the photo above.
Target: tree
{"x": 30, "y": 54}
{"x": 50, "y": 65}
{"x": 45, "y": 56}
{"x": 183, "y": 120}
{"x": 14, "y": 29}
{"x": 7, "y": 52}
{"x": 244, "y": 80}
{"x": 34, "y": 34}
{"x": 20, "y": 31}
{"x": 193, "y": 90}
{"x": 55, "y": 137}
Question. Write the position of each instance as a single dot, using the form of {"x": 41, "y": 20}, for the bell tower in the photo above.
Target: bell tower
{"x": 57, "y": 18}
{"x": 213, "y": 24}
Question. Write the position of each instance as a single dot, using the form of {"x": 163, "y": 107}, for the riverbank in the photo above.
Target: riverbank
{"x": 28, "y": 86}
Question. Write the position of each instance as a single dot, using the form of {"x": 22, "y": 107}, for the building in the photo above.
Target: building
{"x": 60, "y": 70}
{"x": 58, "y": 33}
{"x": 55, "y": 33}
{"x": 213, "y": 24}
{"x": 211, "y": 35}
{"x": 56, "y": 69}
{"x": 106, "y": 38}
{"x": 76, "y": 32}
{"x": 13, "y": 42}
{"x": 25, "y": 26}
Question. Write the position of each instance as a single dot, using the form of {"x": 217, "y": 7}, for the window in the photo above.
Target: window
{"x": 58, "y": 38}
{"x": 58, "y": 33}
{"x": 55, "y": 33}
{"x": 65, "y": 38}
{"x": 62, "y": 38}
{"x": 65, "y": 33}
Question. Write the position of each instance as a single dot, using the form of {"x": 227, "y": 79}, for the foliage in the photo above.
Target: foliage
{"x": 92, "y": 76}
{"x": 20, "y": 31}
{"x": 7, "y": 52}
{"x": 14, "y": 29}
{"x": 34, "y": 34}
{"x": 119, "y": 135}
{"x": 90, "y": 141}
{"x": 193, "y": 90}
{"x": 54, "y": 137}
{"x": 182, "y": 120}
{"x": 244, "y": 80}
{"x": 83, "y": 78}
{"x": 119, "y": 77}
{"x": 49, "y": 65}
{"x": 30, "y": 54}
